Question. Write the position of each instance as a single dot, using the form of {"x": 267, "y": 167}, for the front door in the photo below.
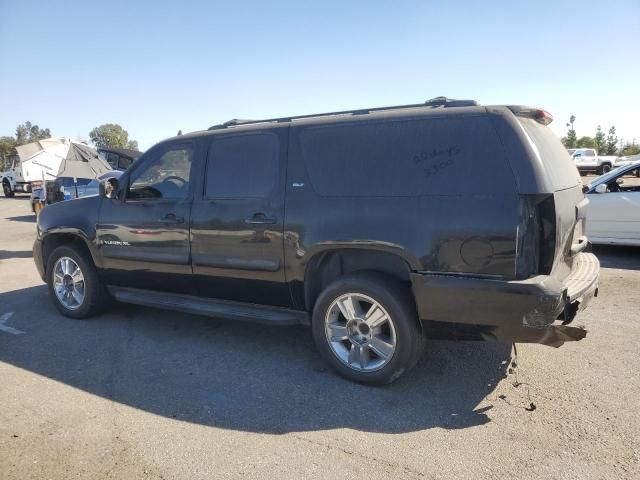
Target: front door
{"x": 143, "y": 235}
{"x": 614, "y": 216}
{"x": 237, "y": 221}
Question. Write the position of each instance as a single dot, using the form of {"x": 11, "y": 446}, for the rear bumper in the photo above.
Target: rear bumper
{"x": 522, "y": 311}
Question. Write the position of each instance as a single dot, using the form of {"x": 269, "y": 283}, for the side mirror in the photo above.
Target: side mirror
{"x": 602, "y": 188}
{"x": 109, "y": 188}
{"x": 619, "y": 181}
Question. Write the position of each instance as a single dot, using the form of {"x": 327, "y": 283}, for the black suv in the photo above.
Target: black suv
{"x": 373, "y": 226}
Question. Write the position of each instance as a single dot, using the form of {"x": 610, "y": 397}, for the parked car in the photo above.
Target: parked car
{"x": 626, "y": 160}
{"x": 614, "y": 207}
{"x": 370, "y": 225}
{"x": 67, "y": 188}
{"x": 588, "y": 161}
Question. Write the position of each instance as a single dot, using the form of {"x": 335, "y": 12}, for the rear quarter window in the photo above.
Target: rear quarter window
{"x": 561, "y": 168}
{"x": 435, "y": 156}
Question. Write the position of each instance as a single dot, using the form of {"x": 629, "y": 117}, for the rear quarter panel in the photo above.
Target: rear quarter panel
{"x": 468, "y": 225}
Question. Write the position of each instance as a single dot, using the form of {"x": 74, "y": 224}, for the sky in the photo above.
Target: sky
{"x": 157, "y": 67}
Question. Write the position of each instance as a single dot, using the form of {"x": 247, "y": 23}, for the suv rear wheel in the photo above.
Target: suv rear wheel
{"x": 73, "y": 283}
{"x": 365, "y": 326}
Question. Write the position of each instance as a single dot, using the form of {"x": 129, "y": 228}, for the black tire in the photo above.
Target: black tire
{"x": 95, "y": 294}
{"x": 6, "y": 189}
{"x": 605, "y": 168}
{"x": 397, "y": 300}
{"x": 582, "y": 174}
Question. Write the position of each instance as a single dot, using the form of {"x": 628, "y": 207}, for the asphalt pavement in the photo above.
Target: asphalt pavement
{"x": 151, "y": 394}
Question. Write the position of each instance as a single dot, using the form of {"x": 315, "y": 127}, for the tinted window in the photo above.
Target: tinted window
{"x": 110, "y": 157}
{"x": 124, "y": 163}
{"x": 441, "y": 156}
{"x": 561, "y": 169}
{"x": 242, "y": 166}
{"x": 164, "y": 176}
{"x": 589, "y": 153}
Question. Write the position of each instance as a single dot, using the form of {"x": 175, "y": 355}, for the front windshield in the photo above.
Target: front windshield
{"x": 615, "y": 173}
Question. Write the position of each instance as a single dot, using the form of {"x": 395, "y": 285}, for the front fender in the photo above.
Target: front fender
{"x": 9, "y": 178}
{"x": 74, "y": 218}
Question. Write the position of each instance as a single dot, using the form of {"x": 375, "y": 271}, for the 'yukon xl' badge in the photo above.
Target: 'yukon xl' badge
{"x": 116, "y": 242}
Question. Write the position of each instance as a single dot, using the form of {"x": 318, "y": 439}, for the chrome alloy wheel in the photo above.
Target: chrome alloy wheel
{"x": 360, "y": 332}
{"x": 68, "y": 283}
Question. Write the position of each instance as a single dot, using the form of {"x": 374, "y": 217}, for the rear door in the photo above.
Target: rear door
{"x": 237, "y": 221}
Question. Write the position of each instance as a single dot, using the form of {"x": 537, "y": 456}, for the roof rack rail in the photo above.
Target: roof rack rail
{"x": 450, "y": 102}
{"x": 436, "y": 102}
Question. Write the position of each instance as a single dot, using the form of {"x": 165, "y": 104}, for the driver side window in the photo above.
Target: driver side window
{"x": 165, "y": 176}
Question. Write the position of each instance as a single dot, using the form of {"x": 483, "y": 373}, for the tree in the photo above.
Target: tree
{"x": 630, "y": 149}
{"x": 7, "y": 147}
{"x": 611, "y": 145}
{"x": 586, "y": 142}
{"x": 27, "y": 133}
{"x": 570, "y": 140}
{"x": 599, "y": 140}
{"x": 111, "y": 135}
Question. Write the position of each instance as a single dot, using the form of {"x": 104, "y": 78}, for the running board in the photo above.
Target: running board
{"x": 246, "y": 312}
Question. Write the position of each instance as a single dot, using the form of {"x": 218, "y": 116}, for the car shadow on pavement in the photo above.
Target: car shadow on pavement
{"x": 617, "y": 256}
{"x": 241, "y": 376}
{"x": 7, "y": 254}
{"x": 23, "y": 218}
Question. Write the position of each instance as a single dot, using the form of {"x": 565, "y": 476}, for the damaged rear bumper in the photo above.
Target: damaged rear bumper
{"x": 535, "y": 310}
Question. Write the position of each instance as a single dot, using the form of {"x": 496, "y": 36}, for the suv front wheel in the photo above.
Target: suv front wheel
{"x": 365, "y": 326}
{"x": 73, "y": 283}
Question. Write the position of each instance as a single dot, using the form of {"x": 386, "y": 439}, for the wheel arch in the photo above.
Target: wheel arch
{"x": 53, "y": 240}
{"x": 326, "y": 265}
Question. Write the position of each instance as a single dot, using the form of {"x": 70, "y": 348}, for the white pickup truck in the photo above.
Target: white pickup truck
{"x": 13, "y": 181}
{"x": 587, "y": 160}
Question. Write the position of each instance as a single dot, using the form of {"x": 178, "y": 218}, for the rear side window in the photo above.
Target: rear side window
{"x": 435, "y": 156}
{"x": 561, "y": 168}
{"x": 242, "y": 166}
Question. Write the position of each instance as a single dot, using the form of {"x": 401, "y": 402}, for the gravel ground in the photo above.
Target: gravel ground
{"x": 142, "y": 393}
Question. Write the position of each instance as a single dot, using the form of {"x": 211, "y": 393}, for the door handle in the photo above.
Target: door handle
{"x": 260, "y": 218}
{"x": 171, "y": 218}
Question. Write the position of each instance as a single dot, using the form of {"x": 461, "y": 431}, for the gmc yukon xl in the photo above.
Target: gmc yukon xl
{"x": 372, "y": 226}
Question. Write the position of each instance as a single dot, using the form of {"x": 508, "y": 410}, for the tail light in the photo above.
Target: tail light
{"x": 536, "y": 237}
{"x": 541, "y": 116}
